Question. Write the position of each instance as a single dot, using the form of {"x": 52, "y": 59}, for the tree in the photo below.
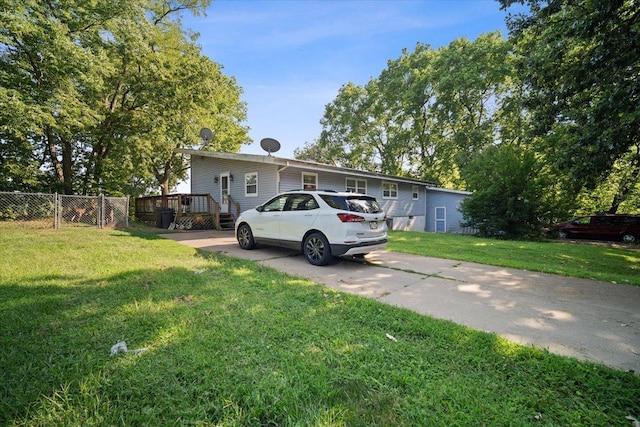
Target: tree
{"x": 425, "y": 113}
{"x": 102, "y": 93}
{"x": 615, "y": 193}
{"x": 358, "y": 132}
{"x": 172, "y": 92}
{"x": 40, "y": 62}
{"x": 340, "y": 141}
{"x": 580, "y": 62}
{"x": 511, "y": 197}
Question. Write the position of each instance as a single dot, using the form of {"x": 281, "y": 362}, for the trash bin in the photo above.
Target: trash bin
{"x": 164, "y": 217}
{"x": 158, "y": 217}
{"x": 167, "y": 217}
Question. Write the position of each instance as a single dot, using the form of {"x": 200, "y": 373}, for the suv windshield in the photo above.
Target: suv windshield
{"x": 355, "y": 203}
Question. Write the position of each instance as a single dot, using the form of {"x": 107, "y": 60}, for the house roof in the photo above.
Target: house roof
{"x": 303, "y": 164}
{"x": 446, "y": 190}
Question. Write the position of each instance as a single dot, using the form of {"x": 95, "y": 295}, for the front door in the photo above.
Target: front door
{"x": 224, "y": 192}
{"x": 441, "y": 220}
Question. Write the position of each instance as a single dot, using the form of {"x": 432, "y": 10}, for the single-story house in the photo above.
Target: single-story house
{"x": 248, "y": 180}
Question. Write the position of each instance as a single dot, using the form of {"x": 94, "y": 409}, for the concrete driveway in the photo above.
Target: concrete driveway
{"x": 586, "y": 319}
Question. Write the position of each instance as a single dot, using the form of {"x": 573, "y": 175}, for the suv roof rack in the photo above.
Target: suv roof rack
{"x": 318, "y": 189}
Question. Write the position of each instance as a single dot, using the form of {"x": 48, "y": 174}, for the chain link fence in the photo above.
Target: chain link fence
{"x": 37, "y": 210}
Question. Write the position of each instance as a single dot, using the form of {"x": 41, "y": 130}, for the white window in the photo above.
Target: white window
{"x": 389, "y": 190}
{"x": 310, "y": 181}
{"x": 354, "y": 185}
{"x": 251, "y": 184}
{"x": 414, "y": 192}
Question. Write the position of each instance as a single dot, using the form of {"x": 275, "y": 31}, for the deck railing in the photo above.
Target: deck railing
{"x": 183, "y": 206}
{"x": 233, "y": 203}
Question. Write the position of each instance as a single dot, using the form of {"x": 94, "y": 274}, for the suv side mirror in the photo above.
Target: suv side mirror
{"x": 260, "y": 208}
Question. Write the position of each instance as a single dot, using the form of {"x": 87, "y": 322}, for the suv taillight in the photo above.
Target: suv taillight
{"x": 345, "y": 217}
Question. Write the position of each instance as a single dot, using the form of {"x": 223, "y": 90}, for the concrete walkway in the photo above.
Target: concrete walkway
{"x": 589, "y": 320}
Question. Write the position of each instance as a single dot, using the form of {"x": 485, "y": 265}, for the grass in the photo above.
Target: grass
{"x": 598, "y": 262}
{"x": 231, "y": 343}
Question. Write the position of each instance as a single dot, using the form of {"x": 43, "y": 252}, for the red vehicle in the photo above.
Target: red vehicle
{"x": 605, "y": 227}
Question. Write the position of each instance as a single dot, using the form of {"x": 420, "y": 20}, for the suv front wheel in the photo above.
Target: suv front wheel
{"x": 316, "y": 249}
{"x": 629, "y": 238}
{"x": 245, "y": 237}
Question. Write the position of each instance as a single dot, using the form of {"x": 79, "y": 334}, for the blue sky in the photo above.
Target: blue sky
{"x": 291, "y": 57}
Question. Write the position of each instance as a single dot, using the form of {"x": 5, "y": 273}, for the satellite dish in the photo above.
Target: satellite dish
{"x": 270, "y": 145}
{"x": 206, "y": 134}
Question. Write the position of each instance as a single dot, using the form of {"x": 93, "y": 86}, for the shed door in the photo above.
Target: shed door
{"x": 441, "y": 220}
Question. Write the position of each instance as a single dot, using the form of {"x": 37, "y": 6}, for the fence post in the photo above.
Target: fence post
{"x": 56, "y": 221}
{"x": 101, "y": 211}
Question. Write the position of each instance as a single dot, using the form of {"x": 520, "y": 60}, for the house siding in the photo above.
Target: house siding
{"x": 404, "y": 213}
{"x": 450, "y": 200}
{"x": 204, "y": 170}
{"x": 276, "y": 175}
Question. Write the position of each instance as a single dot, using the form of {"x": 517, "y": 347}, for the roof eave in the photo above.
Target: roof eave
{"x": 303, "y": 164}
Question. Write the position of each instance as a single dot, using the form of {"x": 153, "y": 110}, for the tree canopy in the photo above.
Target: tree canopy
{"x": 580, "y": 65}
{"x": 540, "y": 125}
{"x": 425, "y": 114}
{"x": 96, "y": 96}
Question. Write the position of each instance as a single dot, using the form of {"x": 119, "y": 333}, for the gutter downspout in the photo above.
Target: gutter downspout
{"x": 278, "y": 179}
{"x": 426, "y": 208}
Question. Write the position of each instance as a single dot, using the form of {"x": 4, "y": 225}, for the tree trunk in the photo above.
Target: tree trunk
{"x": 53, "y": 154}
{"x": 64, "y": 171}
{"x": 164, "y": 187}
{"x": 67, "y": 166}
{"x": 626, "y": 185}
{"x": 162, "y": 177}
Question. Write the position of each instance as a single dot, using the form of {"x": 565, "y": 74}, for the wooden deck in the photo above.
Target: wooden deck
{"x": 186, "y": 212}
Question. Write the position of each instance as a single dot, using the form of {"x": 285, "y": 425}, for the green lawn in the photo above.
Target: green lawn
{"x": 599, "y": 262}
{"x": 230, "y": 343}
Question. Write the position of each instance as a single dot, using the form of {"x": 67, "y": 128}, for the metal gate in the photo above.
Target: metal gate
{"x": 92, "y": 211}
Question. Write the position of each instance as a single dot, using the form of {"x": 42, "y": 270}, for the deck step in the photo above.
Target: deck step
{"x": 227, "y": 221}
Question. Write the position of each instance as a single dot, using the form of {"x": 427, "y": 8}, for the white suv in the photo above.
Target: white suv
{"x": 320, "y": 224}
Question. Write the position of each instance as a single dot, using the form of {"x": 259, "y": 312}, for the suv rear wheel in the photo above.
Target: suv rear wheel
{"x": 316, "y": 249}
{"x": 629, "y": 238}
